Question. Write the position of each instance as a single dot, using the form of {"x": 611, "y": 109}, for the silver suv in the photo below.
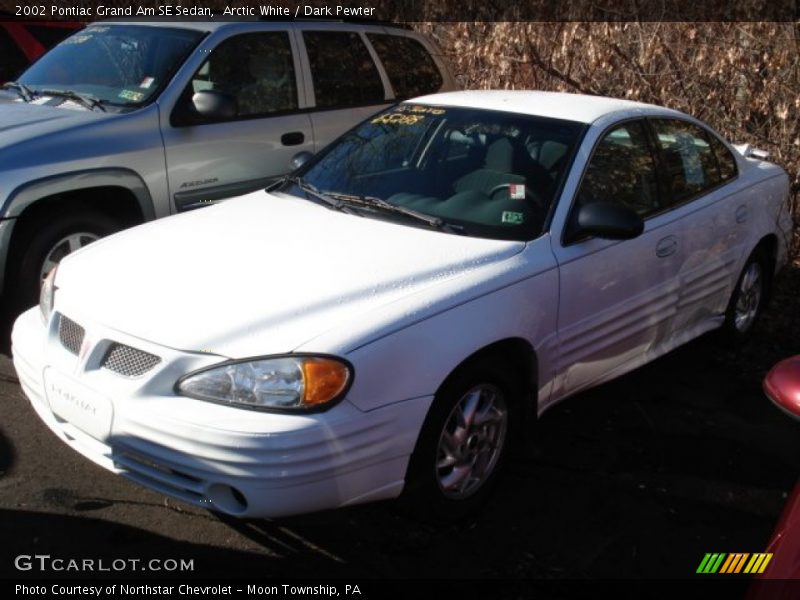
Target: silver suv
{"x": 128, "y": 121}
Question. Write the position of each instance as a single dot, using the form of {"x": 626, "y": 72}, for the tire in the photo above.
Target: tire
{"x": 438, "y": 491}
{"x": 748, "y": 299}
{"x": 46, "y": 241}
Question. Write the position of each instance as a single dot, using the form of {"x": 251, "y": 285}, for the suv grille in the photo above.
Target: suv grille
{"x": 128, "y": 361}
{"x": 71, "y": 334}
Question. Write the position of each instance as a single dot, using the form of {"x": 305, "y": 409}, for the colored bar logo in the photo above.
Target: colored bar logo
{"x": 737, "y": 562}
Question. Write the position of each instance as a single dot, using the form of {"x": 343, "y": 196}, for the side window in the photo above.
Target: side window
{"x": 725, "y": 160}
{"x": 255, "y": 68}
{"x": 411, "y": 69}
{"x": 622, "y": 170}
{"x": 459, "y": 145}
{"x": 342, "y": 70}
{"x": 688, "y": 161}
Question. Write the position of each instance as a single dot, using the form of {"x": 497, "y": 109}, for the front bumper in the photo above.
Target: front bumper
{"x": 240, "y": 462}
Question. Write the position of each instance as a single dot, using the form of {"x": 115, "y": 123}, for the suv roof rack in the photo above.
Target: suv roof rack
{"x": 355, "y": 20}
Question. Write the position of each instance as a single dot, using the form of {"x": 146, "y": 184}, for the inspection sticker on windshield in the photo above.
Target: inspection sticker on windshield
{"x": 146, "y": 82}
{"x": 516, "y": 191}
{"x": 512, "y": 218}
{"x": 130, "y": 95}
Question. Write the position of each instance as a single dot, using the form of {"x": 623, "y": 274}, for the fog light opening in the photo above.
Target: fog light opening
{"x": 227, "y": 499}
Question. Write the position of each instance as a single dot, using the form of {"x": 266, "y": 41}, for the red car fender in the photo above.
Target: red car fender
{"x": 782, "y": 386}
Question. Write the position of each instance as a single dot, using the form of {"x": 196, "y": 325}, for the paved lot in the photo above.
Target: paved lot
{"x": 638, "y": 478}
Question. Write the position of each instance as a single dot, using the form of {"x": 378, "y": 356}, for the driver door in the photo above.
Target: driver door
{"x": 617, "y": 298}
{"x": 211, "y": 160}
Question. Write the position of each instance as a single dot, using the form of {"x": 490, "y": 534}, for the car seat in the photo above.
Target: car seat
{"x": 497, "y": 170}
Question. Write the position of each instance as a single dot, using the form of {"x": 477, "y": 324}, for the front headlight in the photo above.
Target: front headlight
{"x": 47, "y": 295}
{"x": 289, "y": 383}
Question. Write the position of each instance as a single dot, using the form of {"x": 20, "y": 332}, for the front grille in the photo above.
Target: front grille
{"x": 128, "y": 361}
{"x": 71, "y": 334}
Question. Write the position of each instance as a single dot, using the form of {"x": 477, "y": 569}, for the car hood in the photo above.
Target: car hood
{"x": 20, "y": 121}
{"x": 260, "y": 274}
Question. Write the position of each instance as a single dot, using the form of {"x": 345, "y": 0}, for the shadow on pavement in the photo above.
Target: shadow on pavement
{"x": 6, "y": 455}
{"x": 69, "y": 537}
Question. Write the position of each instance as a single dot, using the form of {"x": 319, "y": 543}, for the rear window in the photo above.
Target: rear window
{"x": 412, "y": 71}
{"x": 342, "y": 69}
{"x": 687, "y": 158}
{"x": 725, "y": 160}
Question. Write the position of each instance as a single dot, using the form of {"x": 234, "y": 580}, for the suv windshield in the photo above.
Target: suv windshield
{"x": 486, "y": 173}
{"x": 117, "y": 64}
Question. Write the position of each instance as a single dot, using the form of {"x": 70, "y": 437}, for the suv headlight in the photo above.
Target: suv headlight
{"x": 292, "y": 383}
{"x": 47, "y": 295}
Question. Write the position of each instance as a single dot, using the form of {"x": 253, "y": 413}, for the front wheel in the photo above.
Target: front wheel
{"x": 45, "y": 243}
{"x": 463, "y": 443}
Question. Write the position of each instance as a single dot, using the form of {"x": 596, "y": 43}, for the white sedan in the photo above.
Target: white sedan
{"x": 385, "y": 320}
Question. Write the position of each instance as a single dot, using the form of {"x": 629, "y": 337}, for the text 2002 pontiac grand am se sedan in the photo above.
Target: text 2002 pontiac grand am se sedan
{"x": 386, "y": 319}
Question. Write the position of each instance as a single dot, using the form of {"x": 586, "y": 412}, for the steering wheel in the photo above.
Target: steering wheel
{"x": 529, "y": 193}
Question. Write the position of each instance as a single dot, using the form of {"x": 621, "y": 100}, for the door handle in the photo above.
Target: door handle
{"x": 742, "y": 213}
{"x": 293, "y": 138}
{"x": 666, "y": 246}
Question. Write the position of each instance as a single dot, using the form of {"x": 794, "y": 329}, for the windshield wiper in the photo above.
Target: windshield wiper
{"x": 23, "y": 90}
{"x": 386, "y": 206}
{"x": 86, "y": 100}
{"x": 311, "y": 190}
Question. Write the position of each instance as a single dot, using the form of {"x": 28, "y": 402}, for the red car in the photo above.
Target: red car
{"x": 782, "y": 386}
{"x": 22, "y": 42}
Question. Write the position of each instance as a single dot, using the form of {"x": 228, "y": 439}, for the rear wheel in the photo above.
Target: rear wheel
{"x": 748, "y": 298}
{"x": 44, "y": 244}
{"x": 463, "y": 443}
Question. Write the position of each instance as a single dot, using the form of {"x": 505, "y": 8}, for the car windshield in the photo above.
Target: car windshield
{"x": 484, "y": 173}
{"x": 117, "y": 64}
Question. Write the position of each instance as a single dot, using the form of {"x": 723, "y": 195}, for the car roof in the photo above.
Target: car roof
{"x": 557, "y": 105}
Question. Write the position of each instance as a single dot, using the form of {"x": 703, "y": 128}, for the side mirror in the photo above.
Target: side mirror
{"x": 214, "y": 105}
{"x": 299, "y": 159}
{"x": 608, "y": 220}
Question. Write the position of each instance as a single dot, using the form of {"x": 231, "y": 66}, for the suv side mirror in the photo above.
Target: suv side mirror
{"x": 608, "y": 220}
{"x": 299, "y": 159}
{"x": 214, "y": 105}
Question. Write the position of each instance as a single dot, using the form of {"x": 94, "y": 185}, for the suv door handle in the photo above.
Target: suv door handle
{"x": 666, "y": 246}
{"x": 293, "y": 138}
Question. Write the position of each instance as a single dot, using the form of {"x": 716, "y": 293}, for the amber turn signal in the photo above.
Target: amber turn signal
{"x": 324, "y": 380}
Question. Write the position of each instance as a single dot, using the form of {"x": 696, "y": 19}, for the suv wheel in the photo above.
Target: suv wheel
{"x": 463, "y": 442}
{"x": 47, "y": 242}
